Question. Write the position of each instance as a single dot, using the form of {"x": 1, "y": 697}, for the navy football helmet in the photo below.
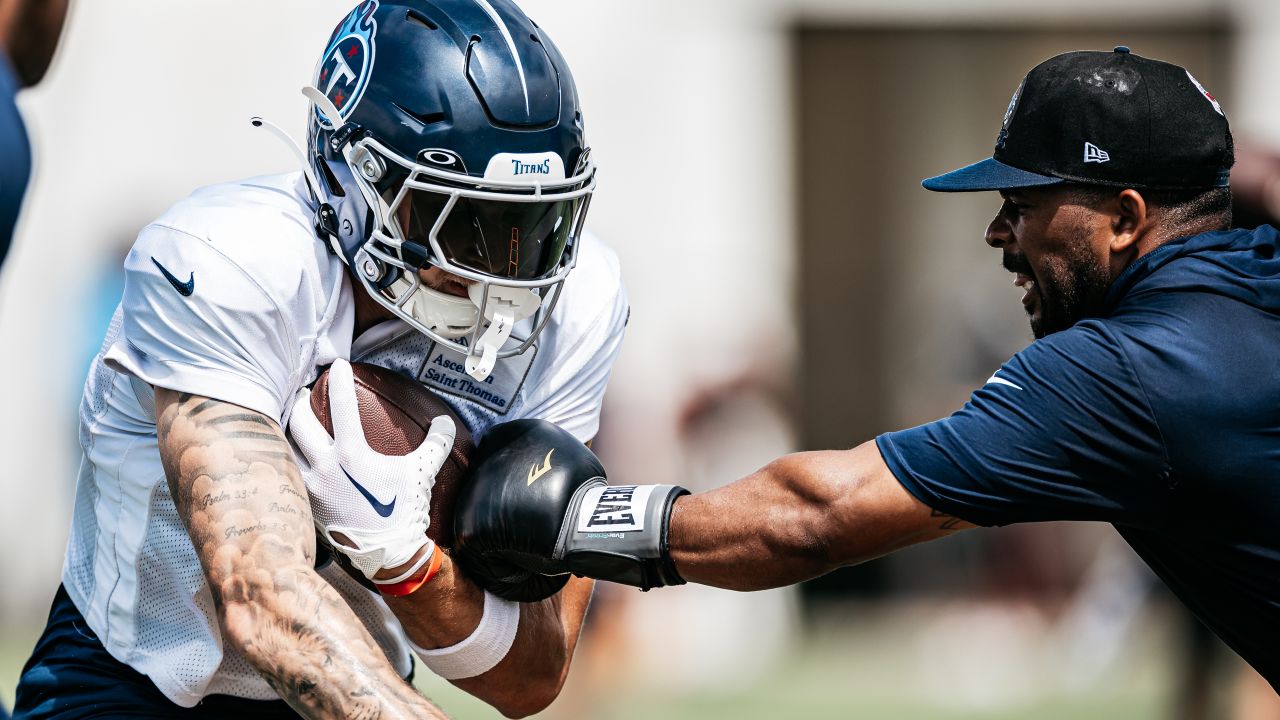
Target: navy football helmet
{"x": 447, "y": 133}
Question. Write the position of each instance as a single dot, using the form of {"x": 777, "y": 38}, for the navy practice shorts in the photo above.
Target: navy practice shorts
{"x": 71, "y": 676}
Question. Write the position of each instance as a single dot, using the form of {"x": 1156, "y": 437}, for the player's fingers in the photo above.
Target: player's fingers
{"x": 344, "y": 411}
{"x": 310, "y": 437}
{"x": 435, "y": 447}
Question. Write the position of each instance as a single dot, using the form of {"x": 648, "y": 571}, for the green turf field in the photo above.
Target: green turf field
{"x": 868, "y": 668}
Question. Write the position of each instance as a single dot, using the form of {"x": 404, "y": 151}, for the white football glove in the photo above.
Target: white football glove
{"x": 381, "y": 503}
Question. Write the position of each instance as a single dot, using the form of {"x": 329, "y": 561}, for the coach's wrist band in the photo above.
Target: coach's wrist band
{"x": 484, "y": 649}
{"x": 404, "y": 584}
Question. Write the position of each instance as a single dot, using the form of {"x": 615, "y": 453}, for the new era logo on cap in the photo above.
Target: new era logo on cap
{"x": 1095, "y": 154}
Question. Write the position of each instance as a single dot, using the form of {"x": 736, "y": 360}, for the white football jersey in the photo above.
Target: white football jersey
{"x": 230, "y": 295}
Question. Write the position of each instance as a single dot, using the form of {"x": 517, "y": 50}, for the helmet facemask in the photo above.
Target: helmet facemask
{"x": 514, "y": 241}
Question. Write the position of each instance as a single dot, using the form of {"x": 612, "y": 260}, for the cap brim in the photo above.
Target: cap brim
{"x": 989, "y": 174}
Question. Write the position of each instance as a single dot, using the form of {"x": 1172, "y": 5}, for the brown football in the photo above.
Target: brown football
{"x": 395, "y": 412}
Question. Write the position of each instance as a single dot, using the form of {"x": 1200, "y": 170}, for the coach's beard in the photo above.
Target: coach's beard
{"x": 1065, "y": 291}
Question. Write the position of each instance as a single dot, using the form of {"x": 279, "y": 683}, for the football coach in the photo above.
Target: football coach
{"x": 1150, "y": 398}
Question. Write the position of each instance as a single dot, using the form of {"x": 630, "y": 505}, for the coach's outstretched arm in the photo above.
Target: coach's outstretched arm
{"x": 799, "y": 517}
{"x": 238, "y": 491}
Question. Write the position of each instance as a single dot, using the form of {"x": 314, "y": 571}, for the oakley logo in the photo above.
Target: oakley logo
{"x": 1095, "y": 154}
{"x": 524, "y": 168}
{"x": 443, "y": 158}
{"x": 184, "y": 288}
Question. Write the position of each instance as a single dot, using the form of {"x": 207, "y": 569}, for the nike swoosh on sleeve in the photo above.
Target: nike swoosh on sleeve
{"x": 994, "y": 380}
{"x": 184, "y": 288}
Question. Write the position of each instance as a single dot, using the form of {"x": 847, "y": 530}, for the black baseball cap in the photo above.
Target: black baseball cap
{"x": 1105, "y": 118}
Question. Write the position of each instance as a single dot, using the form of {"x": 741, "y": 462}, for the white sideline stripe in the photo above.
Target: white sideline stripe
{"x": 511, "y": 44}
{"x": 1000, "y": 381}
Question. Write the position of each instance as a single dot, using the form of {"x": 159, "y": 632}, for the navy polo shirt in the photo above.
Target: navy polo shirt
{"x": 15, "y": 155}
{"x": 1162, "y": 417}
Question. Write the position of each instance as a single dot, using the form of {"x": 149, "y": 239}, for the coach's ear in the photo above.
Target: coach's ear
{"x": 1129, "y": 221}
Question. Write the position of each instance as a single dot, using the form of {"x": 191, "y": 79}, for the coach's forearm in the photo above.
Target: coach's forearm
{"x": 768, "y": 529}
{"x": 799, "y": 517}
{"x": 530, "y": 677}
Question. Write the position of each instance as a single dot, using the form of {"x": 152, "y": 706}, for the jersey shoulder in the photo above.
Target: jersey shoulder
{"x": 258, "y": 228}
{"x": 227, "y": 295}
{"x": 593, "y": 290}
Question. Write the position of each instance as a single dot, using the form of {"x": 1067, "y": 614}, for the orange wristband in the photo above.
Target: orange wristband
{"x": 410, "y": 586}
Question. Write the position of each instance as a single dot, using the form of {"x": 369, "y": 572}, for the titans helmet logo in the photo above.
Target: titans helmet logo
{"x": 348, "y": 60}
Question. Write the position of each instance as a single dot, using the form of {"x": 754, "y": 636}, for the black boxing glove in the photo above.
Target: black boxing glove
{"x": 536, "y": 507}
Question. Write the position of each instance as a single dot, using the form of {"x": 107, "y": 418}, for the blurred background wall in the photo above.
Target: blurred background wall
{"x": 792, "y": 287}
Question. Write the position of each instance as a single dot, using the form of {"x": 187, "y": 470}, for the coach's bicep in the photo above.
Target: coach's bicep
{"x": 236, "y": 487}
{"x": 874, "y": 510}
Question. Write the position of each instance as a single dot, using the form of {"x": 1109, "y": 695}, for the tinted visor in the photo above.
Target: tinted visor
{"x": 511, "y": 240}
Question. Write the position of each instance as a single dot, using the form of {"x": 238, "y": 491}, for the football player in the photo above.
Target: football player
{"x": 435, "y": 230}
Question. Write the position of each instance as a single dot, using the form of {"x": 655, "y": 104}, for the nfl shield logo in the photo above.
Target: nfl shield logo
{"x": 348, "y": 60}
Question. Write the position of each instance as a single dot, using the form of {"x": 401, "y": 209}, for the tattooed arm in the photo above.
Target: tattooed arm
{"x": 233, "y": 478}
{"x": 800, "y": 516}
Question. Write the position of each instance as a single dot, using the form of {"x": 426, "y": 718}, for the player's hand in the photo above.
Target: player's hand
{"x": 536, "y": 505}
{"x": 373, "y": 508}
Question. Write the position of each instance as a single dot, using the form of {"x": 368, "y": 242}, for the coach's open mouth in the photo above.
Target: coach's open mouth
{"x": 1027, "y": 283}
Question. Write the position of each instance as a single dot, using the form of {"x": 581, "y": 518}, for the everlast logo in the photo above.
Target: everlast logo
{"x": 614, "y": 508}
{"x": 524, "y": 168}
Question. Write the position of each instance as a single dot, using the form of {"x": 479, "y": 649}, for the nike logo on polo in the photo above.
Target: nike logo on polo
{"x": 184, "y": 288}
{"x": 994, "y": 380}
{"x": 383, "y": 509}
{"x": 536, "y": 472}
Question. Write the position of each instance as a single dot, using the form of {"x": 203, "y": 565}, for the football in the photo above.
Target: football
{"x": 395, "y": 412}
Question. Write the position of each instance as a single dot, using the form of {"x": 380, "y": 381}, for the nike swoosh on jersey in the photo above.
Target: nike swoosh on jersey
{"x": 994, "y": 380}
{"x": 383, "y": 509}
{"x": 184, "y": 288}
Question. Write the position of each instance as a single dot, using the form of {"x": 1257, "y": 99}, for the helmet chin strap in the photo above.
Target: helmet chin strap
{"x": 503, "y": 308}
